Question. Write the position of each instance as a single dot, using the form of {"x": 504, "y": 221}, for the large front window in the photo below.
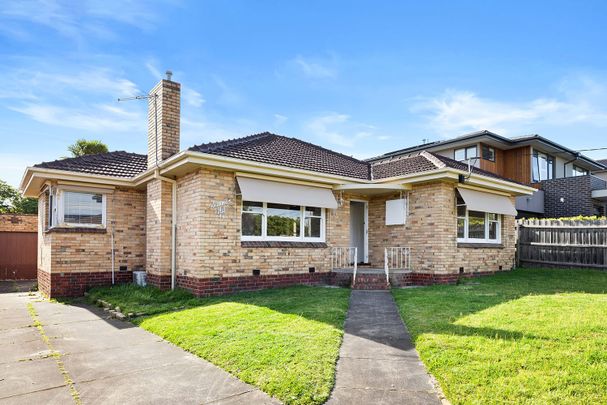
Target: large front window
{"x": 543, "y": 166}
{"x": 76, "y": 208}
{"x": 477, "y": 226}
{"x": 275, "y": 222}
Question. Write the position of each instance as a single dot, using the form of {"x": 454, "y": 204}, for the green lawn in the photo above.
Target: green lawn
{"x": 284, "y": 341}
{"x": 527, "y": 336}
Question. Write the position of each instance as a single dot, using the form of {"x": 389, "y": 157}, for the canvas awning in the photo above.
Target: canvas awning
{"x": 285, "y": 193}
{"x": 487, "y": 202}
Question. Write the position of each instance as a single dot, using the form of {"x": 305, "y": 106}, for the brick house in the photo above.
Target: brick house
{"x": 263, "y": 211}
{"x": 567, "y": 183}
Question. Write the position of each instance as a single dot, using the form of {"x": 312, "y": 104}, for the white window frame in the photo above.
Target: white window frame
{"x": 466, "y": 219}
{"x": 57, "y": 210}
{"x": 466, "y": 157}
{"x": 264, "y": 226}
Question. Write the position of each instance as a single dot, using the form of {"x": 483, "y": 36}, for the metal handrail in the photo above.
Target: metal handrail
{"x": 344, "y": 257}
{"x": 397, "y": 258}
{"x": 386, "y": 266}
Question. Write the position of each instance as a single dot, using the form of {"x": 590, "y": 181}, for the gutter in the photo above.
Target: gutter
{"x": 173, "y": 223}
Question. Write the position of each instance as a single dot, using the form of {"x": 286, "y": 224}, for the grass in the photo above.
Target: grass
{"x": 284, "y": 341}
{"x": 527, "y": 336}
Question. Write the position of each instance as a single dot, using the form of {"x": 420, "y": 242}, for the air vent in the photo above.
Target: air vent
{"x": 123, "y": 268}
{"x": 311, "y": 269}
{"x": 256, "y": 272}
{"x": 461, "y": 270}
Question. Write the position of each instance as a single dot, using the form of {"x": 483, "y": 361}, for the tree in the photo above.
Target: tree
{"x": 11, "y": 201}
{"x": 83, "y": 147}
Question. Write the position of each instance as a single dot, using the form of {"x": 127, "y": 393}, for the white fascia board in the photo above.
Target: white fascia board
{"x": 242, "y": 165}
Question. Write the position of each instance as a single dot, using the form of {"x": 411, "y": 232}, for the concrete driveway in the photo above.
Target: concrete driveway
{"x": 78, "y": 355}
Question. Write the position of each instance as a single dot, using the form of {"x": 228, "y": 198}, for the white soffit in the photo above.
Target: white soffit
{"x": 285, "y": 193}
{"x": 487, "y": 202}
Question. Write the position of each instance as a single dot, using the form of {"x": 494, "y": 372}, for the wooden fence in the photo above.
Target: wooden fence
{"x": 562, "y": 243}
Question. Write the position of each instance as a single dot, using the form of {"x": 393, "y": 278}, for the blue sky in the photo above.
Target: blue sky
{"x": 359, "y": 77}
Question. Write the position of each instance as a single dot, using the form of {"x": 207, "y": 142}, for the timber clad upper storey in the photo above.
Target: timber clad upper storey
{"x": 531, "y": 160}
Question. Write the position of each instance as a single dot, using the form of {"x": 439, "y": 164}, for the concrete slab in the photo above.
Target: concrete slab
{"x": 378, "y": 363}
{"x": 59, "y": 395}
{"x": 110, "y": 361}
{"x": 22, "y": 377}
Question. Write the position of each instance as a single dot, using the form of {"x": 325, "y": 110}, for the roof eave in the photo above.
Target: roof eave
{"x": 243, "y": 165}
{"x": 34, "y": 177}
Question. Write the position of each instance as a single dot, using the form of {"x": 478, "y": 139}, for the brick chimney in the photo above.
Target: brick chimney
{"x": 164, "y": 109}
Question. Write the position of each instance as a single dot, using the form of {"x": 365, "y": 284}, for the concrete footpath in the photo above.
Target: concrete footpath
{"x": 80, "y": 356}
{"x": 378, "y": 363}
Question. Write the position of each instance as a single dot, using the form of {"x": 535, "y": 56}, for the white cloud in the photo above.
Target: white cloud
{"x": 200, "y": 129}
{"x": 64, "y": 99}
{"x": 13, "y": 165}
{"x": 338, "y": 129}
{"x": 279, "y": 119}
{"x": 316, "y": 68}
{"x": 578, "y": 100}
{"x": 154, "y": 71}
{"x": 78, "y": 20}
{"x": 192, "y": 97}
{"x": 97, "y": 118}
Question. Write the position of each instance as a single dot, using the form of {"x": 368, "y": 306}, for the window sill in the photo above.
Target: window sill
{"x": 59, "y": 229}
{"x": 473, "y": 245}
{"x": 281, "y": 244}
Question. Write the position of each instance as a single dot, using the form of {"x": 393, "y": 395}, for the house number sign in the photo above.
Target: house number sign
{"x": 220, "y": 207}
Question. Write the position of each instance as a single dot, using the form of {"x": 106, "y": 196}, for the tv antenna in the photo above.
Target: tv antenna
{"x": 147, "y": 97}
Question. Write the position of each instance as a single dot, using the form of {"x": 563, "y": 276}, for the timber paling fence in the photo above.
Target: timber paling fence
{"x": 562, "y": 243}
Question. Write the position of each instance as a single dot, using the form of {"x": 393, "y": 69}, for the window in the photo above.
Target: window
{"x": 74, "y": 208}
{"x": 542, "y": 167}
{"x": 466, "y": 153}
{"x": 578, "y": 171}
{"x": 488, "y": 153}
{"x": 476, "y": 226}
{"x": 282, "y": 222}
{"x": 252, "y": 218}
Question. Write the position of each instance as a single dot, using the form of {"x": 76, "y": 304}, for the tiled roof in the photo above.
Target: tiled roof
{"x": 603, "y": 162}
{"x": 116, "y": 164}
{"x": 290, "y": 152}
{"x": 425, "y": 161}
{"x": 402, "y": 167}
{"x": 272, "y": 149}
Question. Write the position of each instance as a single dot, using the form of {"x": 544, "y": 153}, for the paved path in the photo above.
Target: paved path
{"x": 377, "y": 363}
{"x": 109, "y": 361}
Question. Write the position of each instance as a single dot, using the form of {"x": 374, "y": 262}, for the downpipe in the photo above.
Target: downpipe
{"x": 173, "y": 224}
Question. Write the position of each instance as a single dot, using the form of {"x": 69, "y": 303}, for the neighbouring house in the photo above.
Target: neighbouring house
{"x": 18, "y": 246}
{"x": 264, "y": 211}
{"x": 567, "y": 183}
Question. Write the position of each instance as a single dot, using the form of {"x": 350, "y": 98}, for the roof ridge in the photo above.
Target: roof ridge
{"x": 91, "y": 156}
{"x": 434, "y": 159}
{"x": 230, "y": 142}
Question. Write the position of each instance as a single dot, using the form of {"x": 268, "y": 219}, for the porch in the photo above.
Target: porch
{"x": 396, "y": 269}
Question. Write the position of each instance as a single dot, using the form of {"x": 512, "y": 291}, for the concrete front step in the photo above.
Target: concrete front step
{"x": 370, "y": 282}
